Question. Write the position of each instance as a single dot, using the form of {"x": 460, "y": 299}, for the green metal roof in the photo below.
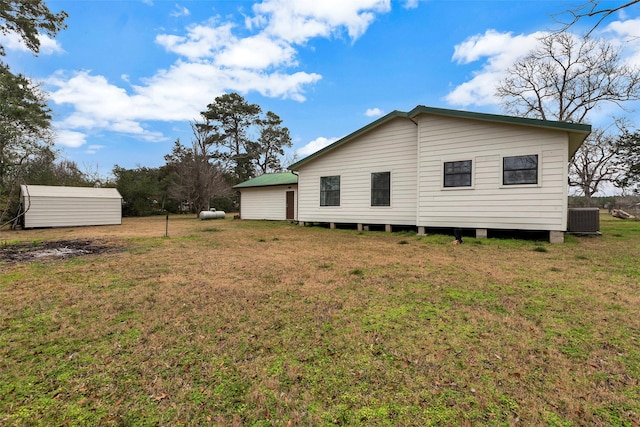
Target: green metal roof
{"x": 421, "y": 109}
{"x": 270, "y": 179}
{"x": 577, "y": 132}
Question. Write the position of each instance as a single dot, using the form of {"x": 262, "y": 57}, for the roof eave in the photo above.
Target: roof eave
{"x": 281, "y": 178}
{"x": 549, "y": 124}
{"x": 575, "y": 141}
{"x": 577, "y": 132}
{"x": 240, "y": 187}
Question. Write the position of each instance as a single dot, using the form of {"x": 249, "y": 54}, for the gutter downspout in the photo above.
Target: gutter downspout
{"x": 296, "y": 193}
{"x": 418, "y": 154}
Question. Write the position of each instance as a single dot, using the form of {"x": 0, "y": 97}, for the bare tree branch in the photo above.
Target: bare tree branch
{"x": 592, "y": 9}
{"x": 566, "y": 77}
{"x": 593, "y": 164}
{"x": 197, "y": 177}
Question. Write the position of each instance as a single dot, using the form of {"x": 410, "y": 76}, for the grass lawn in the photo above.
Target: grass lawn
{"x": 253, "y": 323}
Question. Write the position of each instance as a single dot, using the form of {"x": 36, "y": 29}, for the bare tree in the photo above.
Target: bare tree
{"x": 197, "y": 177}
{"x": 593, "y": 9}
{"x": 567, "y": 77}
{"x": 291, "y": 158}
{"x": 594, "y": 164}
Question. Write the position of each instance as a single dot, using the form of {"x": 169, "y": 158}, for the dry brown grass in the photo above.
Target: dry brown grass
{"x": 260, "y": 323}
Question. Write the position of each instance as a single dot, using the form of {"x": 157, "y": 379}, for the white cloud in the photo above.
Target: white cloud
{"x": 180, "y": 11}
{"x": 275, "y": 85}
{"x": 480, "y": 90}
{"x": 215, "y": 56}
{"x": 373, "y": 112}
{"x": 411, "y": 4}
{"x": 217, "y": 43}
{"x": 13, "y": 41}
{"x": 83, "y": 90}
{"x": 115, "y": 112}
{"x": 94, "y": 148}
{"x": 492, "y": 43}
{"x": 496, "y": 52}
{"x": 201, "y": 41}
{"x": 499, "y": 51}
{"x": 49, "y": 46}
{"x": 629, "y": 28}
{"x": 177, "y": 94}
{"x": 69, "y": 138}
{"x": 629, "y": 33}
{"x": 315, "y": 145}
{"x": 257, "y": 52}
{"x": 298, "y": 21}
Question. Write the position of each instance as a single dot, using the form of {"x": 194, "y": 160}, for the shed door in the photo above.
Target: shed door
{"x": 290, "y": 205}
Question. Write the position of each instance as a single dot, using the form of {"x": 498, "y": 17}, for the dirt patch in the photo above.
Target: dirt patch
{"x": 60, "y": 249}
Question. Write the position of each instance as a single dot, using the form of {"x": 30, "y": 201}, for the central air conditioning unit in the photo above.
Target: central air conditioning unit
{"x": 584, "y": 221}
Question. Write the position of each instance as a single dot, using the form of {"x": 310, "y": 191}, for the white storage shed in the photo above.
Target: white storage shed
{"x": 272, "y": 196}
{"x": 57, "y": 206}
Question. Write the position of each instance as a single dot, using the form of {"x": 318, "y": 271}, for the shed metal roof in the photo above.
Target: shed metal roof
{"x": 69, "y": 192}
{"x": 577, "y": 132}
{"x": 270, "y": 179}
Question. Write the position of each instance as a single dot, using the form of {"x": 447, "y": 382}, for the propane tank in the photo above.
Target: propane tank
{"x": 212, "y": 214}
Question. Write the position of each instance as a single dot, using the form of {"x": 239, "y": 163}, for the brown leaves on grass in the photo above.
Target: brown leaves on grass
{"x": 160, "y": 397}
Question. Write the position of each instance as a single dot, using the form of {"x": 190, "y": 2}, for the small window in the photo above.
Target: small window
{"x": 517, "y": 170}
{"x": 330, "y": 190}
{"x": 381, "y": 189}
{"x": 457, "y": 174}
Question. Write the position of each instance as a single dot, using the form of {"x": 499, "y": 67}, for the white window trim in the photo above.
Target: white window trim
{"x": 444, "y": 160}
{"x": 516, "y": 154}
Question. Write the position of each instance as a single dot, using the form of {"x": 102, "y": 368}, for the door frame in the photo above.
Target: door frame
{"x": 290, "y": 205}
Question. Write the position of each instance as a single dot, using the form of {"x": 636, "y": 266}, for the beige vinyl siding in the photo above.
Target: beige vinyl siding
{"x": 489, "y": 204}
{"x": 51, "y": 206}
{"x": 266, "y": 202}
{"x": 391, "y": 147}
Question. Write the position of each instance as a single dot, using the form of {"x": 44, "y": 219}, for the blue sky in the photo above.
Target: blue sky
{"x": 126, "y": 77}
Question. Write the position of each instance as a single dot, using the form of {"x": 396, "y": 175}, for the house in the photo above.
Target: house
{"x": 57, "y": 206}
{"x": 270, "y": 196}
{"x": 440, "y": 168}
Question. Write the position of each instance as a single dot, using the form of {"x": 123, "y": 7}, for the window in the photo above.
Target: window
{"x": 330, "y": 190}
{"x": 518, "y": 170}
{"x": 381, "y": 189}
{"x": 457, "y": 174}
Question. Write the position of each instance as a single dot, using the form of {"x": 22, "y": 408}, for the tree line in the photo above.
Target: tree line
{"x": 231, "y": 143}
